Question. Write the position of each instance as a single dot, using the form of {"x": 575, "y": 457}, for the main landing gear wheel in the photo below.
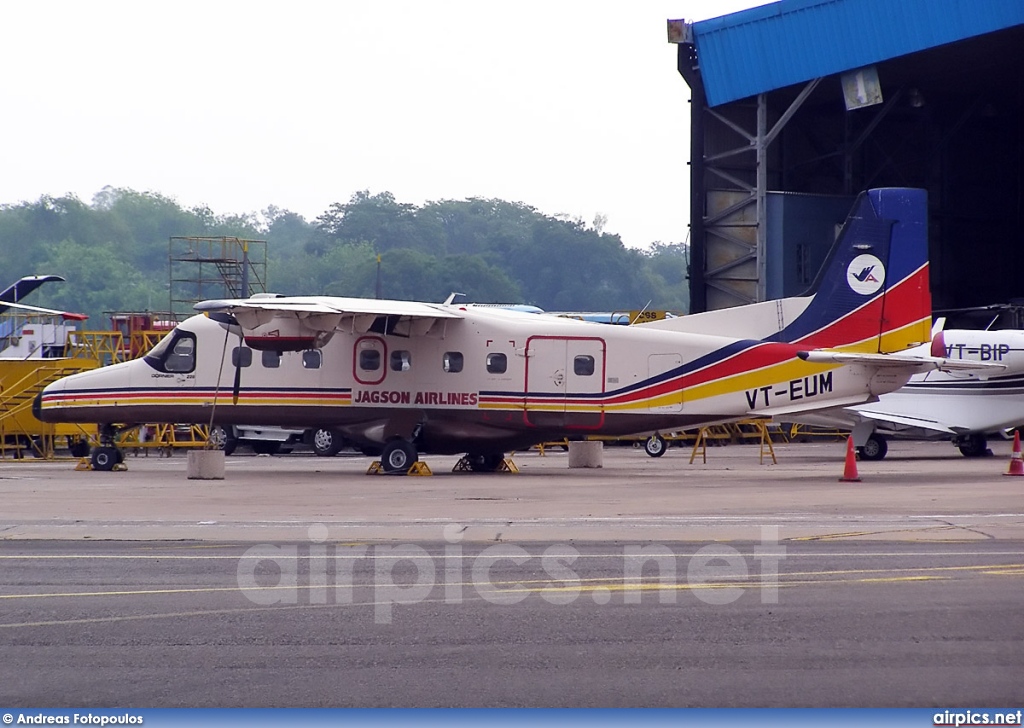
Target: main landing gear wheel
{"x": 105, "y": 458}
{"x": 973, "y": 446}
{"x": 655, "y": 446}
{"x": 875, "y": 448}
{"x": 398, "y": 456}
{"x": 327, "y": 443}
{"x": 485, "y": 463}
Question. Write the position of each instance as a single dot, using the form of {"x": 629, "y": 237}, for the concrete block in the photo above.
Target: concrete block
{"x": 206, "y": 465}
{"x": 586, "y": 454}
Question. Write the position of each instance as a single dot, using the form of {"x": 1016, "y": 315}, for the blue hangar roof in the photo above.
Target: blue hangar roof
{"x": 792, "y": 41}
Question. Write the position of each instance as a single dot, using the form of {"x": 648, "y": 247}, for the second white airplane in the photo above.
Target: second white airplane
{"x": 959, "y": 406}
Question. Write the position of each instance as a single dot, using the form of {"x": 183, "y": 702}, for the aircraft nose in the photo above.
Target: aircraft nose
{"x": 50, "y": 414}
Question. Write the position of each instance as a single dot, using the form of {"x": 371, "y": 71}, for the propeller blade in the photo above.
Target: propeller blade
{"x": 237, "y": 356}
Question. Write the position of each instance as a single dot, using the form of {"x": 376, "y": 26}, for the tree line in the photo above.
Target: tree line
{"x": 114, "y": 253}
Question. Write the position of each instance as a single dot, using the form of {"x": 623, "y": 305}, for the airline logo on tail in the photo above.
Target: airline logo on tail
{"x": 865, "y": 274}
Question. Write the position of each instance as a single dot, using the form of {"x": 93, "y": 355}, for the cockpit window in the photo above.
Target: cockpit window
{"x": 175, "y": 354}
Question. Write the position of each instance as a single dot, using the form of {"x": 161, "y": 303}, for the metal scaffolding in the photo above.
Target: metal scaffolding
{"x": 201, "y": 268}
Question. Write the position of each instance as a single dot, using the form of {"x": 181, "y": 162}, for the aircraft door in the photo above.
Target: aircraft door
{"x": 564, "y": 380}
{"x": 672, "y": 399}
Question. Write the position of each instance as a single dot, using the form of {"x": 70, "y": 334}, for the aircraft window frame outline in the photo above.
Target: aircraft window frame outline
{"x": 584, "y": 358}
{"x": 307, "y": 359}
{"x": 404, "y": 362}
{"x": 453, "y": 362}
{"x": 241, "y": 357}
{"x": 270, "y": 355}
{"x": 369, "y": 342}
{"x": 159, "y": 356}
{"x": 492, "y": 358}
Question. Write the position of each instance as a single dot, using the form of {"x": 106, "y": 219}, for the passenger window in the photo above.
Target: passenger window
{"x": 369, "y": 360}
{"x": 311, "y": 359}
{"x": 583, "y": 365}
{"x": 497, "y": 363}
{"x": 401, "y": 361}
{"x": 453, "y": 361}
{"x": 271, "y": 359}
{"x": 241, "y": 356}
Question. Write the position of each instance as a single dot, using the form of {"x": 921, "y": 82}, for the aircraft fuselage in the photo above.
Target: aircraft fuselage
{"x": 488, "y": 381}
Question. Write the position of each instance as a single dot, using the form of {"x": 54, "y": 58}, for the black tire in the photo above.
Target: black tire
{"x": 973, "y": 446}
{"x": 326, "y": 442}
{"x": 265, "y": 447}
{"x": 875, "y": 448}
{"x": 485, "y": 463}
{"x": 104, "y": 458}
{"x": 79, "y": 449}
{"x": 655, "y": 446}
{"x": 398, "y": 456}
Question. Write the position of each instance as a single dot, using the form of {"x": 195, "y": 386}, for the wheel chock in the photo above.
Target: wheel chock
{"x": 418, "y": 468}
{"x": 462, "y": 466}
{"x": 507, "y": 466}
{"x": 86, "y": 464}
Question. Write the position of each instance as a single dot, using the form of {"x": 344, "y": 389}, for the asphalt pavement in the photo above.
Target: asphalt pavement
{"x": 300, "y": 581}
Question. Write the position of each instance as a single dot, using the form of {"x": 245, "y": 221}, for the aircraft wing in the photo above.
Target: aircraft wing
{"x": 326, "y": 314}
{"x": 903, "y": 361}
{"x": 40, "y": 310}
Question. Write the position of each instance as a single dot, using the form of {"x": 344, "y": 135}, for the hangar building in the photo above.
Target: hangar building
{"x": 799, "y": 105}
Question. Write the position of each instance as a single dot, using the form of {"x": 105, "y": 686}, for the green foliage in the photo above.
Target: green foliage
{"x": 102, "y": 281}
{"x": 114, "y": 252}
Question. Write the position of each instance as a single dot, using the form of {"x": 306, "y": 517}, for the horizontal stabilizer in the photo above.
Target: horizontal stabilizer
{"x": 902, "y": 361}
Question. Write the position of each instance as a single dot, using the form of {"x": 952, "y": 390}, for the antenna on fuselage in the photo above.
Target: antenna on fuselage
{"x": 641, "y": 313}
{"x": 451, "y": 298}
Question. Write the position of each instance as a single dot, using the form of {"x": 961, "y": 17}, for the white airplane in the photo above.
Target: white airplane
{"x": 961, "y": 406}
{"x": 407, "y": 378}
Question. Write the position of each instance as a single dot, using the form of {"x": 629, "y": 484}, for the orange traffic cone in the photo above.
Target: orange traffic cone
{"x": 1016, "y": 464}
{"x": 850, "y": 469}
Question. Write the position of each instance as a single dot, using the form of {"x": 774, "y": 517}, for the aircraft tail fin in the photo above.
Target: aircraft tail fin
{"x": 872, "y": 294}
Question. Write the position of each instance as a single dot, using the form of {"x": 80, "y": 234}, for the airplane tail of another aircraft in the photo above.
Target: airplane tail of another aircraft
{"x": 872, "y": 293}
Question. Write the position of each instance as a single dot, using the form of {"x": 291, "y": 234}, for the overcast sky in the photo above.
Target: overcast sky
{"x": 571, "y": 106}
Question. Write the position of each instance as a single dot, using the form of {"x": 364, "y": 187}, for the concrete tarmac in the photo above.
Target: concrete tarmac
{"x": 303, "y": 581}
{"x": 921, "y": 491}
